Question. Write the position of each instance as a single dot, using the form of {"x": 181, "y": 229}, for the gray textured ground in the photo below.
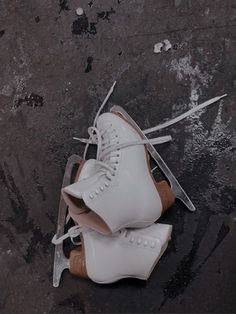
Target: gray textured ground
{"x": 55, "y": 70}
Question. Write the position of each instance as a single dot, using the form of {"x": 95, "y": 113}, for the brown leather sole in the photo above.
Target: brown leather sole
{"x": 166, "y": 194}
{"x": 77, "y": 262}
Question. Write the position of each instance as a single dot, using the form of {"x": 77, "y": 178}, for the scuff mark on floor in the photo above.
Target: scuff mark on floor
{"x": 39, "y": 186}
{"x": 32, "y": 100}
{"x": 82, "y": 26}
{"x": 37, "y": 19}
{"x": 105, "y": 15}
{"x": 73, "y": 302}
{"x": 63, "y": 6}
{"x": 2, "y": 32}
{"x": 89, "y": 65}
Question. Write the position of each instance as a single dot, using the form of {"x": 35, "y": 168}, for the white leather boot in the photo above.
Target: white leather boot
{"x": 117, "y": 190}
{"x": 127, "y": 253}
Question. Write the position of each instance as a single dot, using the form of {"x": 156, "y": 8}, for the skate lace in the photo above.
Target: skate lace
{"x": 108, "y": 147}
{"x": 107, "y": 142}
{"x": 72, "y": 233}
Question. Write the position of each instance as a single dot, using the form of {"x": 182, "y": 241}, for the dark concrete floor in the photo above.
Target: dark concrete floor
{"x": 55, "y": 70}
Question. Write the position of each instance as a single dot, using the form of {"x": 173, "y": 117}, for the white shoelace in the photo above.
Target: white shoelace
{"x": 72, "y": 233}
{"x": 184, "y": 115}
{"x": 105, "y": 149}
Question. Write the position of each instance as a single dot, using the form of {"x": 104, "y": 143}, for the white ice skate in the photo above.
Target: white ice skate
{"x": 127, "y": 253}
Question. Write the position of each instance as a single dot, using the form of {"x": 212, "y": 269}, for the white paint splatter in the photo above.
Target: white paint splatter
{"x": 199, "y": 139}
{"x": 167, "y": 45}
{"x": 79, "y": 11}
{"x": 219, "y": 132}
{"x": 158, "y": 47}
{"x": 164, "y": 45}
{"x": 184, "y": 68}
{"x": 194, "y": 96}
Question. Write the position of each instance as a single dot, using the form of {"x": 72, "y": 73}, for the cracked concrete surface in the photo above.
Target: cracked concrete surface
{"x": 56, "y": 67}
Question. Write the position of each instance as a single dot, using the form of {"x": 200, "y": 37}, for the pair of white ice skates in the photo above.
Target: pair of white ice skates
{"x": 115, "y": 203}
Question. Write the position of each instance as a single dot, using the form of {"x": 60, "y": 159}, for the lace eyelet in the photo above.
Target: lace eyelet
{"x": 152, "y": 245}
{"x": 139, "y": 241}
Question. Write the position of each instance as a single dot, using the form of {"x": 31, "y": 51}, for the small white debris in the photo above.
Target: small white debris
{"x": 157, "y": 47}
{"x": 207, "y": 11}
{"x": 167, "y": 45}
{"x": 79, "y": 11}
{"x": 194, "y": 96}
{"x": 164, "y": 45}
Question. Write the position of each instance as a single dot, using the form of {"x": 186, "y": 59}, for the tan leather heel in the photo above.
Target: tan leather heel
{"x": 79, "y": 170}
{"x": 166, "y": 195}
{"x": 77, "y": 263}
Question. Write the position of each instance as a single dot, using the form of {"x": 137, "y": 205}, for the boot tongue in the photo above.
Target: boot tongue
{"x": 89, "y": 169}
{"x": 104, "y": 126}
{"x": 87, "y": 176}
{"x": 103, "y": 119}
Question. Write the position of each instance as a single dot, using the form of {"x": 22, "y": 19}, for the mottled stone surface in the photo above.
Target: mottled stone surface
{"x": 56, "y": 68}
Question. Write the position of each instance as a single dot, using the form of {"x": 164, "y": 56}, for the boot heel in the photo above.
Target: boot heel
{"x": 77, "y": 263}
{"x": 166, "y": 195}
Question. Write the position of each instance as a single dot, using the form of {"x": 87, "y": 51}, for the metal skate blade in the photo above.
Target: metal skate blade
{"x": 60, "y": 261}
{"x": 175, "y": 186}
